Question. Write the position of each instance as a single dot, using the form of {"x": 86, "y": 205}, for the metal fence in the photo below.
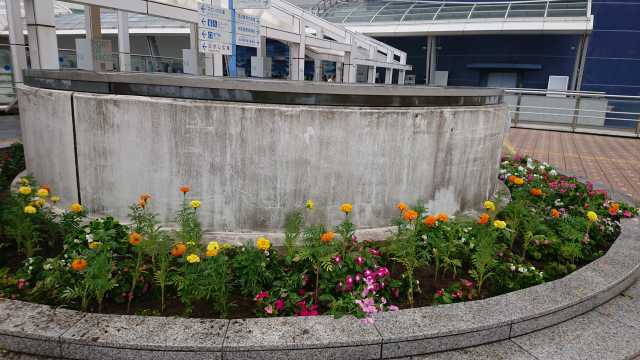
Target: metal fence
{"x": 580, "y": 112}
{"x": 139, "y": 62}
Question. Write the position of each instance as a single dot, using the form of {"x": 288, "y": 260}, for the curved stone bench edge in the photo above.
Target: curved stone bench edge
{"x": 43, "y": 330}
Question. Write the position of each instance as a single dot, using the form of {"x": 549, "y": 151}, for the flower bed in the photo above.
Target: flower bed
{"x": 553, "y": 225}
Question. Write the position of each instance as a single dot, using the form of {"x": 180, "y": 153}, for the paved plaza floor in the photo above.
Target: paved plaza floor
{"x": 614, "y": 161}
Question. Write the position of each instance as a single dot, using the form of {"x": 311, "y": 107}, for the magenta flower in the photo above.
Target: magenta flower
{"x": 261, "y": 295}
{"x": 349, "y": 283}
{"x": 337, "y": 259}
{"x": 358, "y": 277}
{"x": 279, "y": 304}
{"x": 627, "y": 214}
{"x": 368, "y": 273}
{"x": 359, "y": 261}
{"x": 466, "y": 283}
{"x": 393, "y": 308}
{"x": 374, "y": 252}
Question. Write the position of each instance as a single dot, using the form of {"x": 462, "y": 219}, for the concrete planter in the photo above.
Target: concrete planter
{"x": 43, "y": 330}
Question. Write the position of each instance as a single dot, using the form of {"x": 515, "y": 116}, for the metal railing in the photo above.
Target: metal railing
{"x": 574, "y": 111}
{"x": 139, "y": 62}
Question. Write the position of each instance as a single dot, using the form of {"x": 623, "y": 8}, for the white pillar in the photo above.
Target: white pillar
{"x": 349, "y": 69}
{"x": 124, "y": 46}
{"x": 297, "y": 52}
{"x": 388, "y": 73}
{"x": 41, "y": 27}
{"x": 403, "y": 61}
{"x": 317, "y": 70}
{"x": 371, "y": 76}
{"x": 339, "y": 66}
{"x": 16, "y": 40}
{"x": 208, "y": 64}
{"x": 263, "y": 47}
{"x": 218, "y": 68}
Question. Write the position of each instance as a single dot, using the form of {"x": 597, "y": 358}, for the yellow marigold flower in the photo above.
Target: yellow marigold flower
{"x": 500, "y": 224}
{"x": 195, "y": 204}
{"x": 212, "y": 253}
{"x": 43, "y": 193}
{"x": 309, "y": 204}
{"x": 518, "y": 181}
{"x": 94, "y": 245}
{"x": 346, "y": 208}
{"x": 75, "y": 208}
{"x": 263, "y": 243}
{"x": 489, "y": 205}
{"x": 213, "y": 245}
{"x": 30, "y": 210}
{"x": 24, "y": 181}
{"x": 592, "y": 216}
{"x": 24, "y": 190}
{"x": 55, "y": 199}
{"x": 40, "y": 203}
{"x": 193, "y": 258}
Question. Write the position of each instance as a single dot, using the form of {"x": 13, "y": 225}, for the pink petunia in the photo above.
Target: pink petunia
{"x": 279, "y": 304}
{"x": 268, "y": 309}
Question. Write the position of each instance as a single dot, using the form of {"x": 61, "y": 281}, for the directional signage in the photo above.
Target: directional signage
{"x": 251, "y": 4}
{"x": 214, "y": 29}
{"x": 248, "y": 30}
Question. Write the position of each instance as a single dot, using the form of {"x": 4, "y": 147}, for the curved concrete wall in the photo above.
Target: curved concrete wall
{"x": 250, "y": 164}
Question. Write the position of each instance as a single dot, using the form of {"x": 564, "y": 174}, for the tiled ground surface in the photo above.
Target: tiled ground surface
{"x": 614, "y": 161}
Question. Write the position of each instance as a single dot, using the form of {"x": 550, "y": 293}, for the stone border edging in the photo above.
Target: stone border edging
{"x": 44, "y": 330}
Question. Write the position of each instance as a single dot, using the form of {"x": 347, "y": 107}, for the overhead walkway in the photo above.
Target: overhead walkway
{"x": 400, "y": 18}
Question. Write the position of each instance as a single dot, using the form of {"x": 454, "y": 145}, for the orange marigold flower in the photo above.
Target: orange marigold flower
{"x": 178, "y": 250}
{"x": 402, "y": 207}
{"x": 142, "y": 203}
{"x": 443, "y": 217}
{"x": 410, "y": 215}
{"x": 327, "y": 237}
{"x": 184, "y": 189}
{"x": 135, "y": 238}
{"x": 484, "y": 219}
{"x": 613, "y": 209}
{"x": 535, "y": 192}
{"x": 555, "y": 213}
{"x": 79, "y": 264}
{"x": 430, "y": 221}
{"x": 511, "y": 178}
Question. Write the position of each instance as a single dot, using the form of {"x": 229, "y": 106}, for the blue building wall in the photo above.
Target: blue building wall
{"x": 613, "y": 59}
{"x": 554, "y": 54}
{"x": 612, "y": 62}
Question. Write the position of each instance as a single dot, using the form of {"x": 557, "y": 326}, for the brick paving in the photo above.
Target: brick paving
{"x": 614, "y": 161}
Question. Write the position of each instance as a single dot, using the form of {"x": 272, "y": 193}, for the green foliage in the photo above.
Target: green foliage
{"x": 484, "y": 258}
{"x": 292, "y": 230}
{"x": 251, "y": 272}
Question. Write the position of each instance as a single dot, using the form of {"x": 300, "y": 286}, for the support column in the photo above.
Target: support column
{"x": 124, "y": 45}
{"x": 339, "y": 67}
{"x": 317, "y": 70}
{"x": 403, "y": 61}
{"x": 371, "y": 76}
{"x": 349, "y": 69}
{"x": 218, "y": 65}
{"x": 16, "y": 41}
{"x": 297, "y": 52}
{"x": 388, "y": 73}
{"x": 430, "y": 69}
{"x": 579, "y": 64}
{"x": 92, "y": 24}
{"x": 41, "y": 27}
